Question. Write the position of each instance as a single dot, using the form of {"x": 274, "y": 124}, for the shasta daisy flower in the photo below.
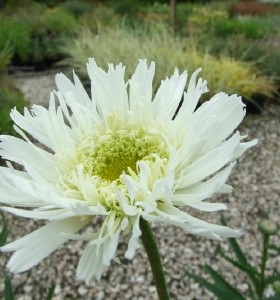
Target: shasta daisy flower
{"x": 123, "y": 154}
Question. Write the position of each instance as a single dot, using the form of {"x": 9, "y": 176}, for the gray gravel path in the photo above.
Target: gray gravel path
{"x": 256, "y": 182}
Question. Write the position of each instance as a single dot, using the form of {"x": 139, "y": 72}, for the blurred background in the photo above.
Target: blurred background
{"x": 237, "y": 44}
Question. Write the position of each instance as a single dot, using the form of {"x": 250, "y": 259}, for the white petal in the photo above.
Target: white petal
{"x": 191, "y": 97}
{"x": 168, "y": 96}
{"x": 38, "y": 214}
{"x": 162, "y": 190}
{"x": 133, "y": 243}
{"x": 108, "y": 89}
{"x": 128, "y": 209}
{"x": 47, "y": 126}
{"x": 140, "y": 92}
{"x": 210, "y": 162}
{"x": 207, "y": 206}
{"x": 97, "y": 256}
{"x": 172, "y": 215}
{"x": 66, "y": 87}
{"x": 33, "y": 124}
{"x": 244, "y": 147}
{"x": 34, "y": 247}
{"x": 25, "y": 153}
{"x": 18, "y": 189}
{"x": 202, "y": 190}
{"x": 141, "y": 84}
{"x": 75, "y": 96}
{"x": 219, "y": 116}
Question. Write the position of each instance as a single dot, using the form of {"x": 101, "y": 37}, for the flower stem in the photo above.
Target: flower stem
{"x": 151, "y": 248}
{"x": 263, "y": 264}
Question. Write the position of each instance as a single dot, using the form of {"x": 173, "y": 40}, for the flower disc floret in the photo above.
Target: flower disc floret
{"x": 117, "y": 152}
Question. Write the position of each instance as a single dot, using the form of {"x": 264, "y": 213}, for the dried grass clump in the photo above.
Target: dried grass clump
{"x": 127, "y": 46}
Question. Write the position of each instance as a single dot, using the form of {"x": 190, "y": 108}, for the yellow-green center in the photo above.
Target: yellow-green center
{"x": 117, "y": 152}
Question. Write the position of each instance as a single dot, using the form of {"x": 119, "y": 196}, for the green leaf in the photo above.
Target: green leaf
{"x": 251, "y": 271}
{"x": 9, "y": 294}
{"x": 235, "y": 247}
{"x": 50, "y": 292}
{"x": 209, "y": 286}
{"x": 223, "y": 285}
{"x": 272, "y": 278}
{"x": 4, "y": 233}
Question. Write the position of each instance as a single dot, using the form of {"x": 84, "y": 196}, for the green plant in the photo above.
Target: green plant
{"x": 249, "y": 27}
{"x": 58, "y": 21}
{"x": 16, "y": 34}
{"x": 263, "y": 55}
{"x": 9, "y": 98}
{"x": 127, "y": 7}
{"x": 156, "y": 43}
{"x": 4, "y": 231}
{"x": 5, "y": 57}
{"x": 37, "y": 39}
{"x": 233, "y": 76}
{"x": 75, "y": 7}
{"x": 203, "y": 18}
{"x": 258, "y": 280}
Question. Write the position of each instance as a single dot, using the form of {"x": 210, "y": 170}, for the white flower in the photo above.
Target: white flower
{"x": 122, "y": 154}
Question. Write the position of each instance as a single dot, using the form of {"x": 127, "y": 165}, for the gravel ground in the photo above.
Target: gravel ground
{"x": 256, "y": 182}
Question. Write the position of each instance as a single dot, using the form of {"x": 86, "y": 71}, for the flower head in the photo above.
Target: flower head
{"x": 123, "y": 154}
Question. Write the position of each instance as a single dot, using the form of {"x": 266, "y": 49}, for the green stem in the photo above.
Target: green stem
{"x": 151, "y": 248}
{"x": 263, "y": 263}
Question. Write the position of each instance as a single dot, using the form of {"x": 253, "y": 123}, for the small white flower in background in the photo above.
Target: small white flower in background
{"x": 122, "y": 155}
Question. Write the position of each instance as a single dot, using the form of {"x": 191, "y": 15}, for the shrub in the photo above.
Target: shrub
{"x": 58, "y": 22}
{"x": 157, "y": 44}
{"x": 127, "y": 7}
{"x": 262, "y": 53}
{"x": 75, "y": 7}
{"x": 249, "y": 27}
{"x": 233, "y": 76}
{"x": 9, "y": 98}
{"x": 17, "y": 35}
{"x": 37, "y": 39}
{"x": 5, "y": 57}
{"x": 203, "y": 18}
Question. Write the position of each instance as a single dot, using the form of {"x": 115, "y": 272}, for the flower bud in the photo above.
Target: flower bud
{"x": 268, "y": 227}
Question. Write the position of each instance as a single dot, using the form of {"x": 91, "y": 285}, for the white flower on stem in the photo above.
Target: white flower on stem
{"x": 123, "y": 154}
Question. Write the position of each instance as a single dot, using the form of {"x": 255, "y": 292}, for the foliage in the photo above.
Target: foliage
{"x": 4, "y": 231}
{"x": 157, "y": 44}
{"x": 5, "y": 57}
{"x": 57, "y": 21}
{"x": 9, "y": 98}
{"x": 249, "y": 27}
{"x": 75, "y": 7}
{"x": 258, "y": 281}
{"x": 233, "y": 76}
{"x": 127, "y": 6}
{"x": 16, "y": 34}
{"x": 36, "y": 39}
{"x": 203, "y": 18}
